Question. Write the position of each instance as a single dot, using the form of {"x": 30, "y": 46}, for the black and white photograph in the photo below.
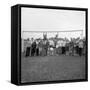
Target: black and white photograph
{"x": 53, "y": 45}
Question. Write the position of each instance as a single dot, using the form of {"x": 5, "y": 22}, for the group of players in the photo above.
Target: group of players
{"x": 46, "y": 47}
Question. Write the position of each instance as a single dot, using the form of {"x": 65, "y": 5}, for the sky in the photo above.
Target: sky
{"x": 35, "y": 21}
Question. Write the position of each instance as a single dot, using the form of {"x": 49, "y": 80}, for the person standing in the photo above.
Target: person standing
{"x": 37, "y": 48}
{"x": 40, "y": 44}
{"x": 80, "y": 47}
{"x": 77, "y": 49}
{"x": 45, "y": 45}
{"x": 71, "y": 48}
{"x": 55, "y": 44}
{"x": 63, "y": 47}
{"x": 33, "y": 48}
{"x": 44, "y": 48}
{"x": 28, "y": 48}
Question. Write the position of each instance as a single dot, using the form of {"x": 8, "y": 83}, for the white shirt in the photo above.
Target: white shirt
{"x": 81, "y": 44}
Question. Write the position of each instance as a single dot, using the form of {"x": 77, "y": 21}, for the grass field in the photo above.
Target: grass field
{"x": 48, "y": 68}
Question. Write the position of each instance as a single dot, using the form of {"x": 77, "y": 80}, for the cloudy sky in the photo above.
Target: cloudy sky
{"x": 34, "y": 19}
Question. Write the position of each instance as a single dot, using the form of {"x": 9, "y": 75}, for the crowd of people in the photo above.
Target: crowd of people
{"x": 54, "y": 46}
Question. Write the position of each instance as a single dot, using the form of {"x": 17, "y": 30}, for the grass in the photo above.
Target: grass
{"x": 48, "y": 68}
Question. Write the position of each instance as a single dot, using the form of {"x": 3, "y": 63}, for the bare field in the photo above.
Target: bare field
{"x": 50, "y": 68}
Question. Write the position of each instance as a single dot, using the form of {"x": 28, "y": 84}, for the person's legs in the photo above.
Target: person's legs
{"x": 27, "y": 51}
{"x": 46, "y": 51}
{"x": 79, "y": 51}
{"x": 40, "y": 51}
{"x": 65, "y": 50}
{"x": 37, "y": 52}
{"x": 73, "y": 51}
{"x": 32, "y": 52}
{"x": 62, "y": 50}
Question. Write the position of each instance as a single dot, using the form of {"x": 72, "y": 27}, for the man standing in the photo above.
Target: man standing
{"x": 80, "y": 47}
{"x": 28, "y": 47}
{"x": 63, "y": 47}
{"x": 33, "y": 47}
{"x": 46, "y": 44}
{"x": 37, "y": 48}
{"x": 55, "y": 44}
